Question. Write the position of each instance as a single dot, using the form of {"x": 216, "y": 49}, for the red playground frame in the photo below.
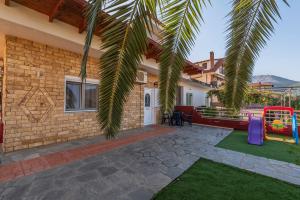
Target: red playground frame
{"x": 287, "y": 130}
{"x": 278, "y": 108}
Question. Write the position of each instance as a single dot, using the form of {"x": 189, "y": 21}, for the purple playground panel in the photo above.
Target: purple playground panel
{"x": 255, "y": 131}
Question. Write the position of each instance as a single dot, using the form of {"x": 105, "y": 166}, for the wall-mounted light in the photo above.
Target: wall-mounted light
{"x": 39, "y": 74}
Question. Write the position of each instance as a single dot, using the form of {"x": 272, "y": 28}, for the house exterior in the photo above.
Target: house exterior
{"x": 43, "y": 98}
{"x": 213, "y": 71}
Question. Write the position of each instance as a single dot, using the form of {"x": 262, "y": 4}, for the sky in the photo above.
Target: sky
{"x": 279, "y": 57}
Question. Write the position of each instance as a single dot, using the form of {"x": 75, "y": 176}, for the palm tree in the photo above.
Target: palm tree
{"x": 124, "y": 28}
{"x": 251, "y": 25}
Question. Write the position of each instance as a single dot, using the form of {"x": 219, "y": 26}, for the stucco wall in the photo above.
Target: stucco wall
{"x": 199, "y": 96}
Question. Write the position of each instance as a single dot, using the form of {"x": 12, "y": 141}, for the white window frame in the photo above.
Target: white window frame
{"x": 189, "y": 95}
{"x": 78, "y": 80}
{"x": 156, "y": 98}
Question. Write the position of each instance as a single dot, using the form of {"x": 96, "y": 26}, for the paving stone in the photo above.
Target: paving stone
{"x": 75, "y": 165}
{"x": 174, "y": 172}
{"x": 98, "y": 186}
{"x": 146, "y": 171}
{"x": 79, "y": 193}
{"x": 106, "y": 171}
{"x": 140, "y": 194}
{"x": 115, "y": 193}
{"x": 129, "y": 170}
{"x": 88, "y": 176}
{"x": 54, "y": 194}
{"x": 17, "y": 192}
{"x": 171, "y": 163}
{"x": 41, "y": 186}
{"x": 157, "y": 181}
{"x": 91, "y": 166}
{"x": 60, "y": 182}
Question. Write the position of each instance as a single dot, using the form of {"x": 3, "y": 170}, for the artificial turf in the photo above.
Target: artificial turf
{"x": 207, "y": 180}
{"x": 283, "y": 151}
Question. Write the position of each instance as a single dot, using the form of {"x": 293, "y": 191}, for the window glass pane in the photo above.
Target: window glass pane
{"x": 147, "y": 100}
{"x": 189, "y": 99}
{"x": 90, "y": 96}
{"x": 73, "y": 91}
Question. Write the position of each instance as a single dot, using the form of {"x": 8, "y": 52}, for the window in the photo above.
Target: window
{"x": 80, "y": 96}
{"x": 221, "y": 70}
{"x": 204, "y": 65}
{"x": 189, "y": 99}
{"x": 90, "y": 96}
{"x": 147, "y": 100}
{"x": 73, "y": 96}
{"x": 178, "y": 99}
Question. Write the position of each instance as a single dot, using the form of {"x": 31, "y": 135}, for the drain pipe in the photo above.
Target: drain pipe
{"x": 140, "y": 106}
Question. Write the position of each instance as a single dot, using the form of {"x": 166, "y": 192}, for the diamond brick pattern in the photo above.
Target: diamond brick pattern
{"x": 37, "y": 104}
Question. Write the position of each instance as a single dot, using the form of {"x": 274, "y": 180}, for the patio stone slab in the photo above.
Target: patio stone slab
{"x": 284, "y": 171}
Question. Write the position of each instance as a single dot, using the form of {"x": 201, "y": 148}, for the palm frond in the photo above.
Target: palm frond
{"x": 181, "y": 19}
{"x": 92, "y": 14}
{"x": 124, "y": 38}
{"x": 251, "y": 25}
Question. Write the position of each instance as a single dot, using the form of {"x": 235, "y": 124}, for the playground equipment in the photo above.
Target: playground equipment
{"x": 277, "y": 120}
{"x": 295, "y": 129}
{"x": 255, "y": 130}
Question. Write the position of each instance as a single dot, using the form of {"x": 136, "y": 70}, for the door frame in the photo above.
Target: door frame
{"x": 152, "y": 106}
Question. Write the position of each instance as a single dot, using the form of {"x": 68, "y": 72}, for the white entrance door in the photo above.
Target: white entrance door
{"x": 148, "y": 106}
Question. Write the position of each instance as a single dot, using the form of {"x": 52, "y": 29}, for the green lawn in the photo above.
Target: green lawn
{"x": 208, "y": 180}
{"x": 283, "y": 151}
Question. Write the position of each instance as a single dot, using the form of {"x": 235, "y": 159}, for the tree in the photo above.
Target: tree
{"x": 219, "y": 93}
{"x": 250, "y": 26}
{"x": 124, "y": 28}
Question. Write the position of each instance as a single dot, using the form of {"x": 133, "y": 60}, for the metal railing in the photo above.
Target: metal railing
{"x": 225, "y": 113}
{"x": 220, "y": 113}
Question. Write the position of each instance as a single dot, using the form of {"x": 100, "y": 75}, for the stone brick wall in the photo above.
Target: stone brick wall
{"x": 33, "y": 100}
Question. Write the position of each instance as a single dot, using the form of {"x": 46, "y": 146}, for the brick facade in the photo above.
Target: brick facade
{"x": 33, "y": 97}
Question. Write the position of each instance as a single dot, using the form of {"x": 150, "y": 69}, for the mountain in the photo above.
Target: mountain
{"x": 276, "y": 80}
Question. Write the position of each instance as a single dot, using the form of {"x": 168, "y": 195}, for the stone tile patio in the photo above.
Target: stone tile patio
{"x": 30, "y": 165}
{"x": 140, "y": 169}
{"x": 135, "y": 171}
{"x": 40, "y": 151}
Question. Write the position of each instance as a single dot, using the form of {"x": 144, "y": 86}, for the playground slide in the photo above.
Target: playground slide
{"x": 255, "y": 131}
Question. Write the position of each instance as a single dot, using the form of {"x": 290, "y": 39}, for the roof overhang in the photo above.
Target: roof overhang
{"x": 154, "y": 51}
{"x": 21, "y": 21}
{"x": 54, "y": 23}
{"x": 68, "y": 11}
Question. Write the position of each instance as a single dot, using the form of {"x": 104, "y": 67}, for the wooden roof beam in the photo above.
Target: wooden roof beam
{"x": 189, "y": 68}
{"x": 149, "y": 55}
{"x": 81, "y": 3}
{"x": 82, "y": 25}
{"x": 192, "y": 71}
{"x": 55, "y": 10}
{"x": 188, "y": 71}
